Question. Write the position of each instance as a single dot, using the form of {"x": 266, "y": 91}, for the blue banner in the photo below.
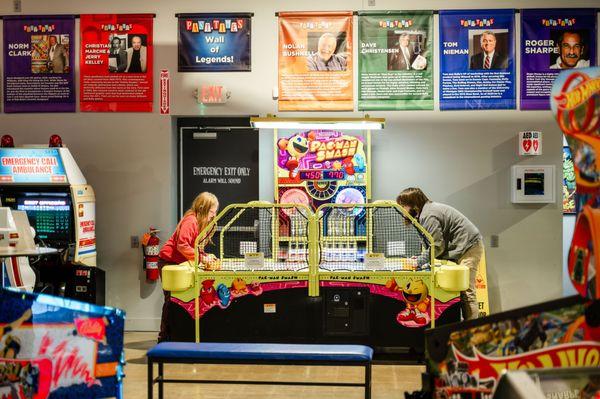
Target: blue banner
{"x": 477, "y": 67}
{"x": 52, "y": 347}
{"x": 31, "y": 165}
{"x": 214, "y": 42}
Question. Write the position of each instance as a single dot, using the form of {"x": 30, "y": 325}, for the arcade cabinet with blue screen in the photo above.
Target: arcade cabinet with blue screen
{"x": 46, "y": 183}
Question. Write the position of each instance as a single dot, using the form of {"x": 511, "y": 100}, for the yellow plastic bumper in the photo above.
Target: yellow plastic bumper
{"x": 452, "y": 277}
{"x": 177, "y": 277}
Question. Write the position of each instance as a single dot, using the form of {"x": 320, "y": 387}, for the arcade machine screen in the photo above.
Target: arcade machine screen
{"x": 50, "y": 214}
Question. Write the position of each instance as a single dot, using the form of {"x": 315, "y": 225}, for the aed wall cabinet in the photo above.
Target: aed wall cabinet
{"x": 532, "y": 184}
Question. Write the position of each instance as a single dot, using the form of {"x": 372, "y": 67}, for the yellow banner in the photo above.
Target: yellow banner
{"x": 481, "y": 288}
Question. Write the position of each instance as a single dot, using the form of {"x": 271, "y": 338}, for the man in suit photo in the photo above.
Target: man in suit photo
{"x": 117, "y": 58}
{"x": 488, "y": 58}
{"x": 403, "y": 59}
{"x": 58, "y": 56}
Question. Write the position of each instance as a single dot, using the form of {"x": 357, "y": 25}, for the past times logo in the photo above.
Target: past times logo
{"x": 476, "y": 23}
{"x": 555, "y": 22}
{"x": 116, "y": 27}
{"x": 219, "y": 25}
{"x": 47, "y": 28}
{"x": 396, "y": 23}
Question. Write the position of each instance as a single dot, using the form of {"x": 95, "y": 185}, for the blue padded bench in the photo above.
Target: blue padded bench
{"x": 272, "y": 354}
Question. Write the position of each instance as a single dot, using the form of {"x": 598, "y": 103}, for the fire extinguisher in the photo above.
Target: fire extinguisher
{"x": 151, "y": 248}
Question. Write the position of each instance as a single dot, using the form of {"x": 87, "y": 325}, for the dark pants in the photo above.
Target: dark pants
{"x": 165, "y": 332}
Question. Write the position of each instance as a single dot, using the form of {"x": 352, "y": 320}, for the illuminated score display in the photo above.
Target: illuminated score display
{"x": 322, "y": 175}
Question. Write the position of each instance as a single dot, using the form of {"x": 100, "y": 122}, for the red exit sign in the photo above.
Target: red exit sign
{"x": 213, "y": 94}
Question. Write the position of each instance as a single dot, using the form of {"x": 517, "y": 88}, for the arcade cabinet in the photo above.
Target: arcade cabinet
{"x": 46, "y": 183}
{"x": 285, "y": 274}
{"x": 468, "y": 359}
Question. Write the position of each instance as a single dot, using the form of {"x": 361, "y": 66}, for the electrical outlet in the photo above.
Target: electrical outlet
{"x": 494, "y": 241}
{"x": 135, "y": 241}
{"x": 371, "y": 3}
{"x": 16, "y": 5}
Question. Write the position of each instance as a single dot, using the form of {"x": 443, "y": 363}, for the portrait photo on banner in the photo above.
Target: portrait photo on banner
{"x": 571, "y": 49}
{"x": 488, "y": 48}
{"x": 327, "y": 51}
{"x": 411, "y": 46}
{"x": 50, "y": 53}
{"x": 136, "y": 51}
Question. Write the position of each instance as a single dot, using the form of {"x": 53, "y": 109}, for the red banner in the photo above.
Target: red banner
{"x": 116, "y": 63}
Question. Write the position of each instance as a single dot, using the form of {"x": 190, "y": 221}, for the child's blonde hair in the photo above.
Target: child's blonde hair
{"x": 201, "y": 206}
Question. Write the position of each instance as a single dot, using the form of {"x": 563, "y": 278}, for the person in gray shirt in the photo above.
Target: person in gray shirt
{"x": 325, "y": 58}
{"x": 455, "y": 238}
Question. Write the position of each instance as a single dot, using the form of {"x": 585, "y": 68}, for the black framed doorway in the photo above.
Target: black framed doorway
{"x": 217, "y": 154}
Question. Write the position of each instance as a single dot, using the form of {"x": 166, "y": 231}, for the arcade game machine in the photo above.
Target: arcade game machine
{"x": 46, "y": 183}
{"x": 328, "y": 168}
{"x": 273, "y": 261}
{"x": 258, "y": 289}
{"x": 372, "y": 288}
{"x": 467, "y": 359}
{"x": 345, "y": 262}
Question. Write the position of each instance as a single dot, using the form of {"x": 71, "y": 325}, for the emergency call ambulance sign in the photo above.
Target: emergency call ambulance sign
{"x": 530, "y": 143}
{"x": 29, "y": 165}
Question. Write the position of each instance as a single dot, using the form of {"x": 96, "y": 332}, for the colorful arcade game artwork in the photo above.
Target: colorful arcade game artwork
{"x": 554, "y": 335}
{"x": 51, "y": 347}
{"x": 321, "y": 166}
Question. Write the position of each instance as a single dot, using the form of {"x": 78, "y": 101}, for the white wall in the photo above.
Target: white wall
{"x": 462, "y": 158}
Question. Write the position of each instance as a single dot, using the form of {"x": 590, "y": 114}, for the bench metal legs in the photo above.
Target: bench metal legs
{"x": 160, "y": 379}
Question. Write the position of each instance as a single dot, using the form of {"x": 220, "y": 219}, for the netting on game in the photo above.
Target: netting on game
{"x": 370, "y": 237}
{"x": 278, "y": 232}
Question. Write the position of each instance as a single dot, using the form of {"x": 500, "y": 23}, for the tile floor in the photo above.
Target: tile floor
{"x": 388, "y": 381}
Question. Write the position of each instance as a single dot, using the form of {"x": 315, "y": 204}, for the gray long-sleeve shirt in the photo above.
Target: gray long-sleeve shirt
{"x": 453, "y": 234}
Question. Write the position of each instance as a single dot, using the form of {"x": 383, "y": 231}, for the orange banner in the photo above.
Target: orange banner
{"x": 315, "y": 61}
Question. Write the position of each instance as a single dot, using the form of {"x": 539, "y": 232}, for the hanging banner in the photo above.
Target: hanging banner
{"x": 53, "y": 347}
{"x": 395, "y": 60}
{"x": 214, "y": 42}
{"x": 552, "y": 40}
{"x": 315, "y": 61}
{"x": 38, "y": 60}
{"x": 116, "y": 62}
{"x": 477, "y": 69}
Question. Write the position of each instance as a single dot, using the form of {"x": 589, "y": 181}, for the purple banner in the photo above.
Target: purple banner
{"x": 38, "y": 64}
{"x": 553, "y": 40}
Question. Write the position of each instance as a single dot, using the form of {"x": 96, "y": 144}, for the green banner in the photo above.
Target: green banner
{"x": 395, "y": 60}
